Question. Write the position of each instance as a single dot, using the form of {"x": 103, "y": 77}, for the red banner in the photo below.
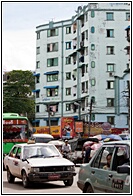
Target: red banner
{"x": 67, "y": 127}
{"x": 79, "y": 127}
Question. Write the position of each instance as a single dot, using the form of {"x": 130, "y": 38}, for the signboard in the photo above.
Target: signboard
{"x": 14, "y": 122}
{"x": 54, "y": 130}
{"x": 67, "y": 127}
{"x": 78, "y": 126}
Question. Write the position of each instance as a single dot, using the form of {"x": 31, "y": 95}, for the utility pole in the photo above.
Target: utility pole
{"x": 128, "y": 106}
{"x": 90, "y": 117}
{"x": 49, "y": 121}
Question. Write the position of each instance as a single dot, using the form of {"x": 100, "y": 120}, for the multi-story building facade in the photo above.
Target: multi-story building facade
{"x": 76, "y": 61}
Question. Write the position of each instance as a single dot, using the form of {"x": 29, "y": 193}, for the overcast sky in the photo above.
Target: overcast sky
{"x": 19, "y": 21}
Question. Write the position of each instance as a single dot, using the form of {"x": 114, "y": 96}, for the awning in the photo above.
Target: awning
{"x": 75, "y": 117}
{"x": 127, "y": 48}
{"x": 37, "y": 90}
{"x": 128, "y": 27}
{"x": 51, "y": 118}
{"x": 51, "y": 72}
{"x": 51, "y": 86}
{"x": 36, "y": 121}
{"x": 81, "y": 64}
{"x": 74, "y": 53}
{"x": 36, "y": 74}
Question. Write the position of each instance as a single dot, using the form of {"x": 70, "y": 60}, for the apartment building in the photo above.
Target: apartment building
{"x": 76, "y": 64}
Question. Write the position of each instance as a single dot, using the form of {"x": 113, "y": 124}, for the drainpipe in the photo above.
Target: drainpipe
{"x": 78, "y": 72}
{"x": 62, "y": 69}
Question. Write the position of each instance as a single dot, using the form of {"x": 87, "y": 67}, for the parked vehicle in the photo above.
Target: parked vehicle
{"x": 15, "y": 130}
{"x": 38, "y": 162}
{"x": 94, "y": 178}
{"x": 42, "y": 137}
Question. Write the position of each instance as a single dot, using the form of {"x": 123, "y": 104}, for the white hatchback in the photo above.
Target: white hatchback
{"x": 38, "y": 162}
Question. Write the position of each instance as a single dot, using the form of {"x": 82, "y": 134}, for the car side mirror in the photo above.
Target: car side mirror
{"x": 123, "y": 169}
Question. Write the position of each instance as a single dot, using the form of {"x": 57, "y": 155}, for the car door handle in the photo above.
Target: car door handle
{"x": 92, "y": 172}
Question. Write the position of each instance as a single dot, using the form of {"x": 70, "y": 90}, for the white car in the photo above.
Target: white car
{"x": 42, "y": 137}
{"x": 38, "y": 162}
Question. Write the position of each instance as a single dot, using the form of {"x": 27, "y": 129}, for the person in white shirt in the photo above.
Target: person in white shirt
{"x": 66, "y": 147}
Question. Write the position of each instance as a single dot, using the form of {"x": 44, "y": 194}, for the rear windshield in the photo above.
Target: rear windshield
{"x": 42, "y": 140}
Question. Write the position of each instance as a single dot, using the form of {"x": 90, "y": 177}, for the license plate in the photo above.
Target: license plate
{"x": 53, "y": 176}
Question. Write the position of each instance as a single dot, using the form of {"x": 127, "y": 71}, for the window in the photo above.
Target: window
{"x": 101, "y": 160}
{"x": 37, "y": 94}
{"x": 68, "y": 76}
{"x": 68, "y": 107}
{"x": 111, "y": 120}
{"x": 92, "y": 46}
{"x": 52, "y": 32}
{"x": 110, "y": 102}
{"x": 37, "y": 64}
{"x": 110, "y": 84}
{"x": 86, "y": 51}
{"x": 86, "y": 68}
{"x": 110, "y": 16}
{"x": 92, "y": 117}
{"x": 52, "y": 77}
{"x": 86, "y": 86}
{"x": 92, "y": 29}
{"x": 52, "y": 47}
{"x": 92, "y": 14}
{"x": 110, "y": 49}
{"x": 68, "y": 45}
{"x": 110, "y": 32}
{"x": 93, "y": 64}
{"x": 86, "y": 33}
{"x": 37, "y": 108}
{"x": 110, "y": 67}
{"x": 37, "y": 79}
{"x": 68, "y": 91}
{"x": 128, "y": 16}
{"x": 18, "y": 154}
{"x": 86, "y": 17}
{"x": 38, "y": 35}
{"x": 93, "y": 99}
{"x": 38, "y": 50}
{"x": 52, "y": 62}
{"x": 68, "y": 30}
{"x": 52, "y": 92}
{"x": 68, "y": 60}
{"x": 93, "y": 82}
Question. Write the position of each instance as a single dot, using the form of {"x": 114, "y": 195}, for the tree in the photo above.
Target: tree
{"x": 17, "y": 93}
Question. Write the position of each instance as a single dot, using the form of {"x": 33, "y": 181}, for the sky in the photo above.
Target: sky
{"x": 19, "y": 21}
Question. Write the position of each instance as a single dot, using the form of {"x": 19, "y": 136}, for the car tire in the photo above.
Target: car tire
{"x": 10, "y": 177}
{"x": 68, "y": 182}
{"x": 88, "y": 189}
{"x": 25, "y": 180}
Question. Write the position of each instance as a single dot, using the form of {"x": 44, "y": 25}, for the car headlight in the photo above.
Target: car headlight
{"x": 70, "y": 168}
{"x": 35, "y": 169}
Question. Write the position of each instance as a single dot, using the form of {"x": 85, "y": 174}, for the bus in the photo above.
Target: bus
{"x": 15, "y": 130}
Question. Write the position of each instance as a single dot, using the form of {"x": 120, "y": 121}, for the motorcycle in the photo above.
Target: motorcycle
{"x": 65, "y": 155}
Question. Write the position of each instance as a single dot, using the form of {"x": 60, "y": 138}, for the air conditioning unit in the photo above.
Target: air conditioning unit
{"x": 111, "y": 74}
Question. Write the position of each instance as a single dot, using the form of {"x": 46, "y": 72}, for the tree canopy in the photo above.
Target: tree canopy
{"x": 17, "y": 93}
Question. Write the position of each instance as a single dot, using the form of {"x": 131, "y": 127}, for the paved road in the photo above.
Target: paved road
{"x": 49, "y": 187}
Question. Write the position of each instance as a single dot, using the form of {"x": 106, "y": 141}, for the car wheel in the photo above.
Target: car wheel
{"x": 68, "y": 182}
{"x": 88, "y": 189}
{"x": 10, "y": 177}
{"x": 25, "y": 180}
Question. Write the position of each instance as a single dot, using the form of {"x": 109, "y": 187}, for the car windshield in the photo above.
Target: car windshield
{"x": 40, "y": 151}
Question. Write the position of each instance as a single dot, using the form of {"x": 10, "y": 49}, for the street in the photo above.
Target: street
{"x": 47, "y": 187}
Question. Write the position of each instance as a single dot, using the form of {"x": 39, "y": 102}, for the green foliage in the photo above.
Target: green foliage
{"x": 17, "y": 93}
